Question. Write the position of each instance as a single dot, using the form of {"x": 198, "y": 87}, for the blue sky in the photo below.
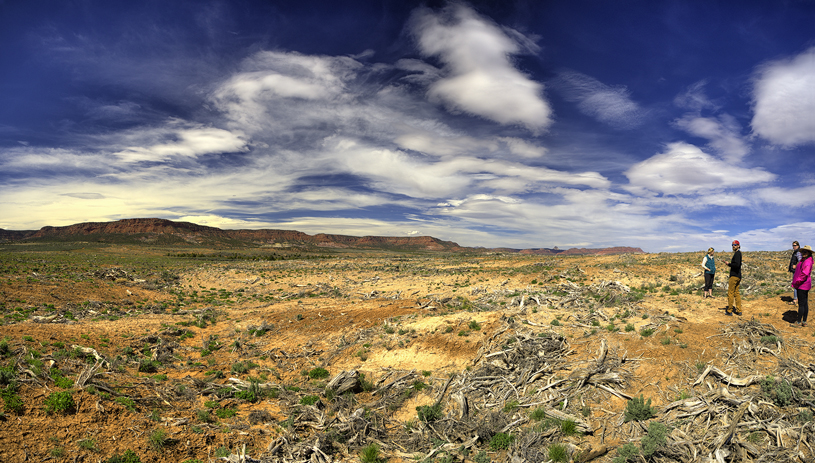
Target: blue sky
{"x": 667, "y": 125}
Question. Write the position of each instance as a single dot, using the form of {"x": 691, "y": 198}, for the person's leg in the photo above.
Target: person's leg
{"x": 794, "y": 296}
{"x": 731, "y": 286}
{"x": 803, "y": 306}
{"x": 737, "y": 309}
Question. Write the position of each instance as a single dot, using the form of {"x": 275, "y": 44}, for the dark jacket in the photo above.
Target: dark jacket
{"x": 794, "y": 259}
{"x": 735, "y": 264}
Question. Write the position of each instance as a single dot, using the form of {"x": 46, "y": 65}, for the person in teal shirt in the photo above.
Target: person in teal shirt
{"x": 710, "y": 271}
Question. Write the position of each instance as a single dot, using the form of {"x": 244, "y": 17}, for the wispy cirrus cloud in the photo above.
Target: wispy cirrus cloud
{"x": 610, "y": 105}
{"x": 724, "y": 134}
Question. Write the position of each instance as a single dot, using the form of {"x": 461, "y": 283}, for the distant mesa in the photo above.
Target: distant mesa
{"x": 167, "y": 231}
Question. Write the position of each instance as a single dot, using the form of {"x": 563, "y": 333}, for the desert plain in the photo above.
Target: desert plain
{"x": 125, "y": 353}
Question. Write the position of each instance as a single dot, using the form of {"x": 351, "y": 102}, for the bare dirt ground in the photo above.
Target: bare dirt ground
{"x": 159, "y": 356}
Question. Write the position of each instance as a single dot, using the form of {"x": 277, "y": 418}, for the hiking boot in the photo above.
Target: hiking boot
{"x": 795, "y": 324}
{"x": 738, "y": 313}
{"x": 803, "y": 323}
{"x": 728, "y": 313}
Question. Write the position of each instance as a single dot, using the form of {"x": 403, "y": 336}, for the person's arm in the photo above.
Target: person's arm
{"x": 704, "y": 263}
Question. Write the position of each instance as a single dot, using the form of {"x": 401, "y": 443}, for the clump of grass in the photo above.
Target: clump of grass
{"x": 158, "y": 439}
{"x": 511, "y": 406}
{"x": 558, "y": 453}
{"x": 370, "y": 454}
{"x": 568, "y": 428}
{"x": 87, "y": 444}
{"x": 128, "y": 457}
{"x": 127, "y": 402}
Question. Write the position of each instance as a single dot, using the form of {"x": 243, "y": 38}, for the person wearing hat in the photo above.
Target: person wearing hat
{"x": 802, "y": 282}
{"x": 710, "y": 271}
{"x": 794, "y": 259}
{"x": 733, "y": 296}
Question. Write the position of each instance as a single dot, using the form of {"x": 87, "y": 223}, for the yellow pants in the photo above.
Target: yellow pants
{"x": 733, "y": 296}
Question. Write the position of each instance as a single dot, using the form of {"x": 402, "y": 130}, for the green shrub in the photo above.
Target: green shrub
{"x": 501, "y": 441}
{"x": 474, "y": 325}
{"x": 149, "y": 366}
{"x": 628, "y": 452}
{"x": 638, "y": 409}
{"x": 646, "y": 332}
{"x": 63, "y": 382}
{"x": 243, "y": 367}
{"x": 11, "y": 400}
{"x": 429, "y": 413}
{"x": 511, "y": 406}
{"x": 309, "y": 400}
{"x": 59, "y": 402}
{"x": 252, "y": 394}
{"x": 780, "y": 392}
{"x": 7, "y": 376}
{"x": 655, "y": 439}
{"x": 127, "y": 402}
{"x": 225, "y": 413}
{"x": 318, "y": 373}
{"x": 204, "y": 416}
{"x": 366, "y": 385}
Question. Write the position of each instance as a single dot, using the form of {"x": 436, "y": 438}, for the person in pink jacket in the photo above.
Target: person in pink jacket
{"x": 802, "y": 282}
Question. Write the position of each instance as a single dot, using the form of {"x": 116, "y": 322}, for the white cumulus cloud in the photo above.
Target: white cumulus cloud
{"x": 784, "y": 100}
{"x": 684, "y": 169}
{"x": 480, "y": 77}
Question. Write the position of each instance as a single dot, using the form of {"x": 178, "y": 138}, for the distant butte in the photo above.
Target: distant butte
{"x": 148, "y": 230}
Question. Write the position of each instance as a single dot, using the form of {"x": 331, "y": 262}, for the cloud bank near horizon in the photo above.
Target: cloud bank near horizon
{"x": 468, "y": 133}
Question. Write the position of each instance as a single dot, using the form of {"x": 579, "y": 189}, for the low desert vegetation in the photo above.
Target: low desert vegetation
{"x": 229, "y": 347}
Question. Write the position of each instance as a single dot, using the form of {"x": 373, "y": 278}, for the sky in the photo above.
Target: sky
{"x": 665, "y": 125}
